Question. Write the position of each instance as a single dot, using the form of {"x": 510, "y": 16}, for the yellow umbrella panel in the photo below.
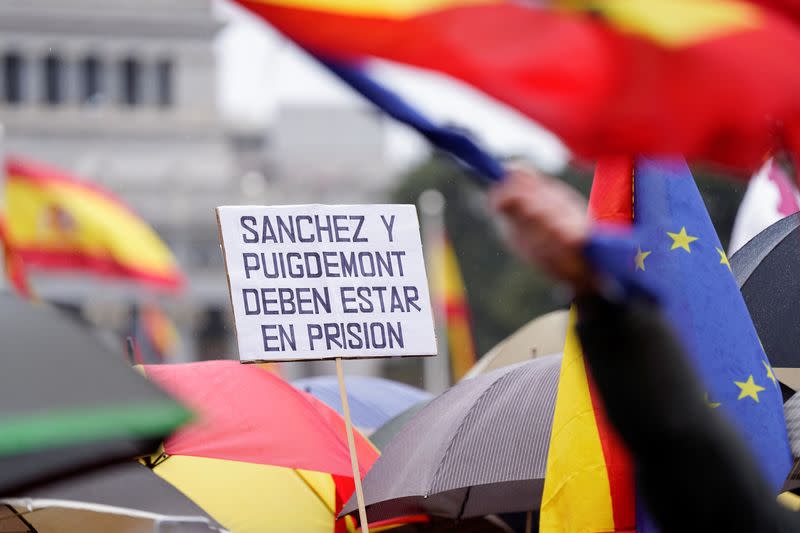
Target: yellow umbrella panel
{"x": 246, "y": 497}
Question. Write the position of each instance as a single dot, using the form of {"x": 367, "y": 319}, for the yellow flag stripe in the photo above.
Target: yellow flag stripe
{"x": 452, "y": 296}
{"x": 577, "y": 494}
{"x": 393, "y": 9}
{"x": 675, "y": 23}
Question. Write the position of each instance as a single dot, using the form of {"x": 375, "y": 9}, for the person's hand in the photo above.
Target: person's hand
{"x": 548, "y": 224}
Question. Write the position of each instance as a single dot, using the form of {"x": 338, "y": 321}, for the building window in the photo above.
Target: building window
{"x": 13, "y": 73}
{"x": 53, "y": 78}
{"x": 91, "y": 81}
{"x": 130, "y": 82}
{"x": 164, "y": 83}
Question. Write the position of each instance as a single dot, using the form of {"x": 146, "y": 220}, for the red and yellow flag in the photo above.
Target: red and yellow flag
{"x": 452, "y": 298}
{"x": 58, "y": 222}
{"x": 606, "y": 76}
{"x": 14, "y": 266}
{"x": 589, "y": 483}
{"x": 156, "y": 335}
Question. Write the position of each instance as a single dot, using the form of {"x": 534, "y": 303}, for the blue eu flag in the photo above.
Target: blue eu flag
{"x": 680, "y": 258}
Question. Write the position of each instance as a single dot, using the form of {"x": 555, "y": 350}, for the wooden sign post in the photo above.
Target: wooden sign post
{"x": 351, "y": 443}
{"x": 312, "y": 282}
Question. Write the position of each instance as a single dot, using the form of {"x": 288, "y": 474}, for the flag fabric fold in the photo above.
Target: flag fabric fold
{"x": 589, "y": 483}
{"x": 56, "y": 222}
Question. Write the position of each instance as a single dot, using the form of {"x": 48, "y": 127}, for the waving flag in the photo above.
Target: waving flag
{"x": 56, "y": 222}
{"x": 155, "y": 333}
{"x": 770, "y": 196}
{"x": 611, "y": 77}
{"x": 452, "y": 294}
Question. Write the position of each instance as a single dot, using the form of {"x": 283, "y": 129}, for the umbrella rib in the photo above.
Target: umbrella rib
{"x": 21, "y": 518}
{"x": 314, "y": 490}
{"x": 464, "y": 504}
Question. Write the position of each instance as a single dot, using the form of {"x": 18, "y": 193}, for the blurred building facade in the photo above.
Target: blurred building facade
{"x": 123, "y": 93}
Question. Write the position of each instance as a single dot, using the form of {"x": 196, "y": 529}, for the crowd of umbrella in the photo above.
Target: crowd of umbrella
{"x": 87, "y": 444}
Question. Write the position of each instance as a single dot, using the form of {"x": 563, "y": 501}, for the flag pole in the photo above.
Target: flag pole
{"x": 436, "y": 370}
{"x": 351, "y": 443}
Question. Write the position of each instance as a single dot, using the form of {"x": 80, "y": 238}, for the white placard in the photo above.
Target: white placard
{"x": 319, "y": 282}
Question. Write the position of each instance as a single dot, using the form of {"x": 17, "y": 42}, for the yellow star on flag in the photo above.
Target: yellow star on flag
{"x": 711, "y": 404}
{"x": 749, "y": 388}
{"x": 681, "y": 240}
{"x": 640, "y": 257}
{"x": 770, "y": 373}
{"x": 723, "y": 259}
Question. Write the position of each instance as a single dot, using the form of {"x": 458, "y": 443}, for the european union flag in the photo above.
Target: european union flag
{"x": 679, "y": 256}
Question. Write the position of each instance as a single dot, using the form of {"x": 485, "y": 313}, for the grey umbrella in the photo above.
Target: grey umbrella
{"x": 384, "y": 434}
{"x": 791, "y": 411}
{"x": 479, "y": 448}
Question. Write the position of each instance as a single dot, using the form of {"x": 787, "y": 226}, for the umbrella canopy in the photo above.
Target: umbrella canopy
{"x": 766, "y": 272}
{"x": 477, "y": 449}
{"x": 66, "y": 402}
{"x": 791, "y": 410}
{"x": 543, "y": 335}
{"x": 373, "y": 401}
{"x": 384, "y": 434}
{"x": 263, "y": 456}
{"x": 124, "y": 498}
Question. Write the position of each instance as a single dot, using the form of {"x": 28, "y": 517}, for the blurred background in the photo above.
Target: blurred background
{"x": 179, "y": 106}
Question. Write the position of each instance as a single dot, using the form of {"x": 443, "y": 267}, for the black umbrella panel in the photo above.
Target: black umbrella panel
{"x": 767, "y": 270}
{"x": 66, "y": 402}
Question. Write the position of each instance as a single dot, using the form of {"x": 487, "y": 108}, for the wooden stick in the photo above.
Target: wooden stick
{"x": 529, "y": 522}
{"x": 351, "y": 443}
{"x": 130, "y": 349}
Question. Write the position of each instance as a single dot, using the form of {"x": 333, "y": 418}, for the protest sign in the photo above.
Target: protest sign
{"x": 322, "y": 282}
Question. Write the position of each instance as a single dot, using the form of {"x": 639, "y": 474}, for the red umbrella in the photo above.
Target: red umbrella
{"x": 263, "y": 456}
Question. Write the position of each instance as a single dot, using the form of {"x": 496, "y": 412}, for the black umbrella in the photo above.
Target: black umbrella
{"x": 479, "y": 448}
{"x": 124, "y": 497}
{"x": 767, "y": 270}
{"x": 66, "y": 402}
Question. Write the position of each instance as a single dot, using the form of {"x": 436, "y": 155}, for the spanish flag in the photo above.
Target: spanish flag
{"x": 452, "y": 296}
{"x": 57, "y": 222}
{"x": 606, "y": 76}
{"x": 589, "y": 484}
{"x": 155, "y": 333}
